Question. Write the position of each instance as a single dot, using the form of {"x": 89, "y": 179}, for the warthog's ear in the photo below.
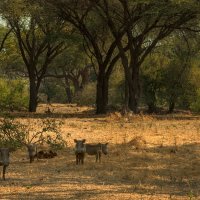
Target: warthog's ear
{"x": 84, "y": 140}
{"x": 75, "y": 140}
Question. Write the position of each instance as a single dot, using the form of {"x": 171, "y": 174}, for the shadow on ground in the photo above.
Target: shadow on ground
{"x": 123, "y": 174}
{"x": 63, "y": 111}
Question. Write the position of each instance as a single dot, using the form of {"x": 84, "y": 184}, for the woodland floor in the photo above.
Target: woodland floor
{"x": 150, "y": 157}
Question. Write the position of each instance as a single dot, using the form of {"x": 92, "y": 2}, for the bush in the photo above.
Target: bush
{"x": 53, "y": 90}
{"x": 87, "y": 95}
{"x": 116, "y": 88}
{"x": 14, "y": 134}
{"x": 14, "y": 95}
{"x": 195, "y": 106}
{"x": 52, "y": 133}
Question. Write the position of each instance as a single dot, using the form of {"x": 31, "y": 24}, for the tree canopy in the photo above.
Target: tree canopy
{"x": 83, "y": 41}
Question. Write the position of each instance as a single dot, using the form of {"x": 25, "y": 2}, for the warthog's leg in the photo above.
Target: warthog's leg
{"x": 77, "y": 159}
{"x": 82, "y": 159}
{"x": 31, "y": 159}
{"x": 4, "y": 172}
{"x": 99, "y": 156}
{"x": 36, "y": 153}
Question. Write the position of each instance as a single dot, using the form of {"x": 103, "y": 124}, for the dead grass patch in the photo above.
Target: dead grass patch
{"x": 149, "y": 158}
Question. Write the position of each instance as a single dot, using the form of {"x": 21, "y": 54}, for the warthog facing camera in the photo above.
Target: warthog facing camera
{"x": 79, "y": 151}
{"x": 32, "y": 151}
{"x": 4, "y": 159}
{"x": 97, "y": 150}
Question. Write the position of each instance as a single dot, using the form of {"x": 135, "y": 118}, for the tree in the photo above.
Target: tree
{"x": 12, "y": 65}
{"x": 98, "y": 42}
{"x": 146, "y": 24}
{"x": 177, "y": 74}
{"x": 151, "y": 78}
{"x": 14, "y": 94}
{"x": 38, "y": 40}
{"x": 4, "y": 36}
{"x": 72, "y": 67}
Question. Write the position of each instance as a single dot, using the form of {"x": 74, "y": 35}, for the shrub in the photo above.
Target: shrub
{"x": 15, "y": 134}
{"x": 52, "y": 133}
{"x": 14, "y": 95}
{"x": 195, "y": 106}
{"x": 12, "y": 134}
{"x": 87, "y": 95}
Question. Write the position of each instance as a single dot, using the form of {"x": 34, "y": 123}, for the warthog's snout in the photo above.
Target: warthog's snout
{"x": 32, "y": 151}
{"x": 80, "y": 151}
{"x": 104, "y": 148}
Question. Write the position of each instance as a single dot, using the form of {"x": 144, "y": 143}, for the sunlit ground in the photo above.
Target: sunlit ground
{"x": 150, "y": 157}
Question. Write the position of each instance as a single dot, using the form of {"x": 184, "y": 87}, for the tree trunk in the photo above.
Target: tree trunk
{"x": 151, "y": 108}
{"x": 33, "y": 94}
{"x": 151, "y": 101}
{"x": 69, "y": 94}
{"x": 171, "y": 106}
{"x": 76, "y": 85}
{"x": 102, "y": 94}
{"x": 125, "y": 97}
{"x": 131, "y": 76}
{"x": 84, "y": 77}
{"x": 68, "y": 90}
{"x": 134, "y": 89}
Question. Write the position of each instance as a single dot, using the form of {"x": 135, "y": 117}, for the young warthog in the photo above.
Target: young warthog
{"x": 79, "y": 151}
{"x": 32, "y": 151}
{"x": 4, "y": 159}
{"x": 44, "y": 154}
{"x": 97, "y": 150}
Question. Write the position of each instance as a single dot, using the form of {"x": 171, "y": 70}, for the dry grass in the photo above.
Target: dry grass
{"x": 151, "y": 157}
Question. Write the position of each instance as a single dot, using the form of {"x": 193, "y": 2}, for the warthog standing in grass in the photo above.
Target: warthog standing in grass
{"x": 97, "y": 150}
{"x": 79, "y": 151}
{"x": 32, "y": 151}
{"x": 4, "y": 159}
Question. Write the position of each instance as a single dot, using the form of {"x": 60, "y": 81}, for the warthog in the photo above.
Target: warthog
{"x": 79, "y": 151}
{"x": 44, "y": 154}
{"x": 4, "y": 159}
{"x": 32, "y": 151}
{"x": 97, "y": 150}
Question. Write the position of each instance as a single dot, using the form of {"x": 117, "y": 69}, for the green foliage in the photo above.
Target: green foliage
{"x": 175, "y": 82}
{"x": 54, "y": 90}
{"x": 11, "y": 63}
{"x": 165, "y": 76}
{"x": 14, "y": 94}
{"x": 168, "y": 77}
{"x": 195, "y": 105}
{"x": 151, "y": 80}
{"x": 12, "y": 133}
{"x": 116, "y": 91}
{"x": 176, "y": 77}
{"x": 116, "y": 87}
{"x": 87, "y": 95}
